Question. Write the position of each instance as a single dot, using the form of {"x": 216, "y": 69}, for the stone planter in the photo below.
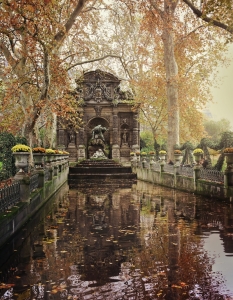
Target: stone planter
{"x": 49, "y": 158}
{"x": 152, "y": 156}
{"x": 38, "y": 160}
{"x": 177, "y": 158}
{"x": 21, "y": 160}
{"x": 229, "y": 158}
{"x": 198, "y": 157}
{"x": 162, "y": 157}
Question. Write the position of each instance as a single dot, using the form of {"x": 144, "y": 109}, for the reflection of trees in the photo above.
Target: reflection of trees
{"x": 174, "y": 263}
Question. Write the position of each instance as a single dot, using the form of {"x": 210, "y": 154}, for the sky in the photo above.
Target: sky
{"x": 223, "y": 96}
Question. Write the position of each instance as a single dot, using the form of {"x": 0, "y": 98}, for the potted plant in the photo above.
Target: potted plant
{"x": 49, "y": 155}
{"x": 152, "y": 155}
{"x": 198, "y": 154}
{"x": 177, "y": 152}
{"x": 162, "y": 154}
{"x": 177, "y": 155}
{"x": 228, "y": 153}
{"x": 49, "y": 151}
{"x": 143, "y": 153}
{"x": 38, "y": 150}
{"x": 21, "y": 153}
{"x": 38, "y": 156}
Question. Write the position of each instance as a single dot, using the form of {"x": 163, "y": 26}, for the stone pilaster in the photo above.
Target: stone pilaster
{"x": 115, "y": 137}
{"x": 81, "y": 145}
{"x": 135, "y": 141}
{"x": 61, "y": 138}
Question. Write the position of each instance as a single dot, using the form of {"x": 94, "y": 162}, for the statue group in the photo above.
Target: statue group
{"x": 97, "y": 141}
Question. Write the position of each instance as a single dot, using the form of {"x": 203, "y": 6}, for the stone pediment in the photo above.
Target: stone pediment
{"x": 100, "y": 87}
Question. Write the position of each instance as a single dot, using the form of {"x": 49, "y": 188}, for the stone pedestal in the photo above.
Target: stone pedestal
{"x": 24, "y": 180}
{"x": 72, "y": 151}
{"x": 81, "y": 152}
{"x": 116, "y": 152}
{"x": 125, "y": 152}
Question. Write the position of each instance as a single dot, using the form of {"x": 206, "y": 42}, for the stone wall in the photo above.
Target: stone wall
{"x": 189, "y": 184}
{"x": 31, "y": 201}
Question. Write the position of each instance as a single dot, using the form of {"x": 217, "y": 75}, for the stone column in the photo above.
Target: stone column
{"x": 115, "y": 134}
{"x": 135, "y": 142}
{"x": 24, "y": 180}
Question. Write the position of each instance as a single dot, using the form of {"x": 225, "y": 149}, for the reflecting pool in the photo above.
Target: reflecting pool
{"x": 122, "y": 241}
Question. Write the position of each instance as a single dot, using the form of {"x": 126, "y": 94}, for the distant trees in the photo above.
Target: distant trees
{"x": 215, "y": 129}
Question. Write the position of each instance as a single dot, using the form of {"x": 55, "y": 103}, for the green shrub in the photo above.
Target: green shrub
{"x": 7, "y": 141}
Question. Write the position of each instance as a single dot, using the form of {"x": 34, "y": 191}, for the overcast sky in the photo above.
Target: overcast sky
{"x": 223, "y": 96}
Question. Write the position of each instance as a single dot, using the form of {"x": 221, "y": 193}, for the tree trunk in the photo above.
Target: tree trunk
{"x": 172, "y": 87}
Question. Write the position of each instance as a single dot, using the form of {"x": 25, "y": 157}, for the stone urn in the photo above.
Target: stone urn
{"x": 162, "y": 156}
{"x": 39, "y": 159}
{"x": 50, "y": 158}
{"x": 21, "y": 160}
{"x": 197, "y": 158}
{"x": 198, "y": 155}
{"x": 229, "y": 159}
{"x": 177, "y": 158}
{"x": 152, "y": 156}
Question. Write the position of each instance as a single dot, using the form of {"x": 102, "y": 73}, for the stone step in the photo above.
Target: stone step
{"x": 99, "y": 170}
{"x": 102, "y": 176}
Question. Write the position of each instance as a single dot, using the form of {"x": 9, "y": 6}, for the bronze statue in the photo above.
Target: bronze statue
{"x": 98, "y": 131}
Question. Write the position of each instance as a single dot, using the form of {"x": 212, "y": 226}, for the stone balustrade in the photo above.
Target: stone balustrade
{"x": 206, "y": 182}
{"x": 29, "y": 191}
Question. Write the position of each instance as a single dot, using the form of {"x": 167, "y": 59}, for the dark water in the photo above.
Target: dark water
{"x": 122, "y": 242}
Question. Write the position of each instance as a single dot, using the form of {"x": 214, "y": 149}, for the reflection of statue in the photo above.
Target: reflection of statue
{"x": 97, "y": 132}
{"x": 99, "y": 154}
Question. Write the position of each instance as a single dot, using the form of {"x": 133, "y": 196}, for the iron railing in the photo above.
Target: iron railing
{"x": 9, "y": 196}
{"x": 212, "y": 175}
{"x": 34, "y": 180}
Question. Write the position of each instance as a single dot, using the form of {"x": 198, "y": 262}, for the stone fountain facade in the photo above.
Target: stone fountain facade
{"x": 103, "y": 104}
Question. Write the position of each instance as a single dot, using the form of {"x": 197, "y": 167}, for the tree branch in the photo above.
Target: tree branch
{"x": 61, "y": 34}
{"x": 199, "y": 14}
{"x": 93, "y": 60}
{"x": 10, "y": 59}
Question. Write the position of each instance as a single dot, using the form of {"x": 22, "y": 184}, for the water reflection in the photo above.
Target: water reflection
{"x": 120, "y": 241}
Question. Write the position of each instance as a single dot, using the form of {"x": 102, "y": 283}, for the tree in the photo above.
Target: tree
{"x": 40, "y": 52}
{"x": 214, "y": 129}
{"x": 32, "y": 35}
